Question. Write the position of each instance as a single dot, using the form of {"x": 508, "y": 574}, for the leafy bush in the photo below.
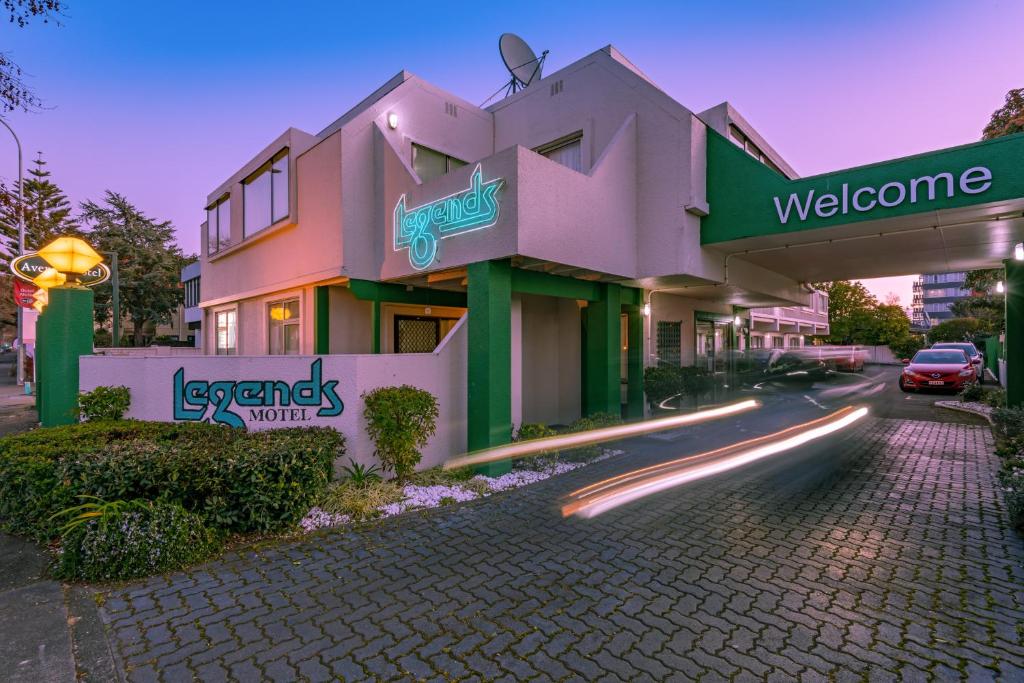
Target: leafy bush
{"x": 972, "y": 393}
{"x": 586, "y": 424}
{"x": 400, "y": 420}
{"x": 104, "y": 403}
{"x": 235, "y": 480}
{"x": 906, "y": 346}
{"x": 1009, "y": 422}
{"x": 995, "y": 398}
{"x": 361, "y": 502}
{"x": 359, "y": 475}
{"x": 1012, "y": 480}
{"x": 132, "y": 540}
{"x": 662, "y": 382}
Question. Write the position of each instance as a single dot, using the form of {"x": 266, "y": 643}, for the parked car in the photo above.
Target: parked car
{"x": 977, "y": 360}
{"x": 850, "y": 361}
{"x": 946, "y": 369}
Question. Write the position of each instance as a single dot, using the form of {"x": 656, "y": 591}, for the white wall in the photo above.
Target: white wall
{"x": 442, "y": 373}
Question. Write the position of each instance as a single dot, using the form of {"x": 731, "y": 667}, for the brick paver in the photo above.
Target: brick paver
{"x": 886, "y": 558}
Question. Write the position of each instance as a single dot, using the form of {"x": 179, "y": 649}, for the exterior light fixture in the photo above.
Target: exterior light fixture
{"x": 40, "y": 299}
{"x": 49, "y": 278}
{"x": 737, "y": 321}
{"x": 71, "y": 256}
{"x": 1000, "y": 287}
{"x": 392, "y": 120}
{"x": 426, "y": 310}
{"x": 1018, "y": 251}
{"x": 647, "y": 309}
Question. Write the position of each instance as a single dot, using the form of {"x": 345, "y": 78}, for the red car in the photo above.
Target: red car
{"x": 947, "y": 369}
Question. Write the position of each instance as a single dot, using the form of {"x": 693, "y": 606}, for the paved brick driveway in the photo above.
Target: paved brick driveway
{"x": 885, "y": 558}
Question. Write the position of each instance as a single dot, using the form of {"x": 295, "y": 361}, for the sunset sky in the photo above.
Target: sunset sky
{"x": 162, "y": 103}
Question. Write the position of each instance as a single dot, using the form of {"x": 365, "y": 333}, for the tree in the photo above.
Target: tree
{"x": 888, "y": 323}
{"x": 1008, "y": 119}
{"x": 47, "y": 211}
{"x": 850, "y": 307}
{"x": 984, "y": 303}
{"x": 149, "y": 262}
{"x": 957, "y": 330}
{"x": 14, "y": 93}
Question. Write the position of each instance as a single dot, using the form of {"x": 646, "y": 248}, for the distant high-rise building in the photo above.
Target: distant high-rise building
{"x": 934, "y": 295}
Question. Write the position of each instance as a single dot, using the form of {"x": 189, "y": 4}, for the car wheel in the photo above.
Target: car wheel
{"x": 903, "y": 387}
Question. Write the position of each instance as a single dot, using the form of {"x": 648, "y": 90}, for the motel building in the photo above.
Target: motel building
{"x": 525, "y": 261}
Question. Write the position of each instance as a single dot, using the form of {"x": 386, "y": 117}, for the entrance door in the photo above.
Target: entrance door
{"x": 420, "y": 333}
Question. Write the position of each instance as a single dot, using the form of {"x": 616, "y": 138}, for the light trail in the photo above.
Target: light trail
{"x": 608, "y": 494}
{"x": 522, "y": 449}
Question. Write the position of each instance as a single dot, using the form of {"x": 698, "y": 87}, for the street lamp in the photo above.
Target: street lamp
{"x": 49, "y": 278}
{"x": 71, "y": 256}
{"x": 21, "y": 252}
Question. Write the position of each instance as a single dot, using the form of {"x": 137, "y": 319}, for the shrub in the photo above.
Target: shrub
{"x": 135, "y": 540}
{"x": 235, "y": 480}
{"x": 104, "y": 403}
{"x": 400, "y": 420}
{"x": 359, "y": 475}
{"x": 972, "y": 393}
{"x": 906, "y": 346}
{"x": 662, "y": 382}
{"x": 1012, "y": 480}
{"x": 995, "y": 398}
{"x": 586, "y": 424}
{"x": 1009, "y": 422}
{"x": 361, "y": 502}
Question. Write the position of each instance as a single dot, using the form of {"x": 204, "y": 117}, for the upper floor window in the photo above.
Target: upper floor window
{"x": 265, "y": 195}
{"x": 218, "y": 225}
{"x": 567, "y": 151}
{"x": 192, "y": 293}
{"x": 429, "y": 163}
{"x": 746, "y": 144}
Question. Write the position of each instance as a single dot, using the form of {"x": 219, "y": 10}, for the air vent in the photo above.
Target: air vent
{"x": 451, "y": 109}
{"x": 556, "y": 87}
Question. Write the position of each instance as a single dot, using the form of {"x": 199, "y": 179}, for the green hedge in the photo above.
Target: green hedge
{"x": 235, "y": 480}
{"x": 134, "y": 543}
{"x": 1009, "y": 428}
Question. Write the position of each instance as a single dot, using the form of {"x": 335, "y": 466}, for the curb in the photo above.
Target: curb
{"x": 949, "y": 405}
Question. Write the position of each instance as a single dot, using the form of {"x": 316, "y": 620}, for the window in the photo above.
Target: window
{"x": 669, "y": 342}
{"x": 283, "y": 319}
{"x": 778, "y": 342}
{"x": 192, "y": 293}
{"x": 218, "y": 225}
{"x": 794, "y": 342}
{"x": 746, "y": 144}
{"x": 420, "y": 334}
{"x": 757, "y": 342}
{"x": 265, "y": 195}
{"x": 226, "y": 326}
{"x": 566, "y": 151}
{"x": 429, "y": 163}
{"x": 937, "y": 308}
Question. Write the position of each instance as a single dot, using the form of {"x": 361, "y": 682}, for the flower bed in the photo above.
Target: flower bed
{"x": 426, "y": 496}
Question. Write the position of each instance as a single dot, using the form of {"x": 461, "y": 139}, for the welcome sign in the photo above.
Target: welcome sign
{"x": 418, "y": 229}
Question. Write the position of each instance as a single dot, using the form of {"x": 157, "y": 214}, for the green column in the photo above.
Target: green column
{"x": 601, "y": 353}
{"x": 66, "y": 333}
{"x": 321, "y": 320}
{"x": 1014, "y": 332}
{"x": 490, "y": 358}
{"x": 635, "y": 362}
{"x": 375, "y": 326}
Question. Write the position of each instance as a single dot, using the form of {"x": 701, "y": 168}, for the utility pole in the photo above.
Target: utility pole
{"x": 21, "y": 251}
{"x": 115, "y": 300}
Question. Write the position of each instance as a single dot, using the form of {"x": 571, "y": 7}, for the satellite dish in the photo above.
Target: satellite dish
{"x": 520, "y": 60}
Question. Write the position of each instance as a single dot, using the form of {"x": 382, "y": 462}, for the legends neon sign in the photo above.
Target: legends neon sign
{"x": 418, "y": 229}
{"x": 265, "y": 400}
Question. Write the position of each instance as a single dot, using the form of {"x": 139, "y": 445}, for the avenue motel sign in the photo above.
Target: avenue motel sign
{"x": 31, "y": 265}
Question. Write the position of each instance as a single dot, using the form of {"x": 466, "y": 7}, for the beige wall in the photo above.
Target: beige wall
{"x": 550, "y": 357}
{"x": 351, "y": 320}
{"x": 674, "y": 308}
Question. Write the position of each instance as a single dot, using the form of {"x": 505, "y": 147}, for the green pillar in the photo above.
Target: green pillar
{"x": 489, "y": 299}
{"x": 66, "y": 333}
{"x": 321, "y": 320}
{"x": 1014, "y": 332}
{"x": 375, "y": 326}
{"x": 601, "y": 353}
{"x": 634, "y": 362}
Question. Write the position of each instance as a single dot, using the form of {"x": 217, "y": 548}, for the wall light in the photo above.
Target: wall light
{"x": 1000, "y": 287}
{"x": 392, "y": 120}
{"x": 647, "y": 309}
{"x": 737, "y": 321}
{"x": 1018, "y": 251}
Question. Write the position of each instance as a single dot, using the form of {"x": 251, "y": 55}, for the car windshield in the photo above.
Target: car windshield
{"x": 940, "y": 357}
{"x": 969, "y": 349}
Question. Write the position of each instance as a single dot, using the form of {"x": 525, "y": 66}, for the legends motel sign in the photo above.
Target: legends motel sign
{"x": 927, "y": 188}
{"x": 420, "y": 228}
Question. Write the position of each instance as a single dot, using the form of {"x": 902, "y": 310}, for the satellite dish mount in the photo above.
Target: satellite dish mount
{"x": 524, "y": 66}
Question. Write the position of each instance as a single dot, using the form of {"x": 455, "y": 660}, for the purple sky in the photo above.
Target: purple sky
{"x": 163, "y": 103}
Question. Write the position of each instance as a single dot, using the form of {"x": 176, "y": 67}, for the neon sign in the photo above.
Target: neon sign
{"x": 267, "y": 400}
{"x": 418, "y": 229}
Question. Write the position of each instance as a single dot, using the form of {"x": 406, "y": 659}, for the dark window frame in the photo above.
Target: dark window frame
{"x": 268, "y": 167}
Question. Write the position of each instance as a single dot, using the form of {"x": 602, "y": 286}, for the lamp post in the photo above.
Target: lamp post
{"x": 21, "y": 251}
{"x": 65, "y": 327}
